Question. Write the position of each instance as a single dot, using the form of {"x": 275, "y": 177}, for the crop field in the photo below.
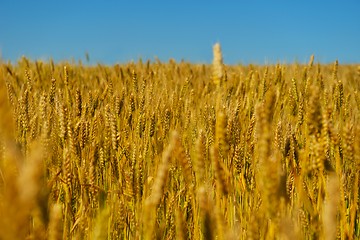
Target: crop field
{"x": 176, "y": 150}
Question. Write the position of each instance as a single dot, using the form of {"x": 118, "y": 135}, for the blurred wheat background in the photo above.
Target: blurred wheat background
{"x": 174, "y": 150}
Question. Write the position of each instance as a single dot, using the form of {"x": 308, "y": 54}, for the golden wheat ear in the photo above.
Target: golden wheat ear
{"x": 218, "y": 65}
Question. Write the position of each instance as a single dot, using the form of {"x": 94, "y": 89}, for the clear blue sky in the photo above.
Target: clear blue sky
{"x": 120, "y": 31}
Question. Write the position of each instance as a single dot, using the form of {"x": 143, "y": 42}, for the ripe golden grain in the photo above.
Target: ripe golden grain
{"x": 259, "y": 152}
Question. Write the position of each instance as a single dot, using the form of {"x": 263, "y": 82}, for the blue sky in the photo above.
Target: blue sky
{"x": 119, "y": 31}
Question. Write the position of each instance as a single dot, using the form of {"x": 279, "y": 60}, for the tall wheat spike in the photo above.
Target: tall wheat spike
{"x": 218, "y": 65}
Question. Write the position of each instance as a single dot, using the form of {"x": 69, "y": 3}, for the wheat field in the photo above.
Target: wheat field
{"x": 175, "y": 150}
